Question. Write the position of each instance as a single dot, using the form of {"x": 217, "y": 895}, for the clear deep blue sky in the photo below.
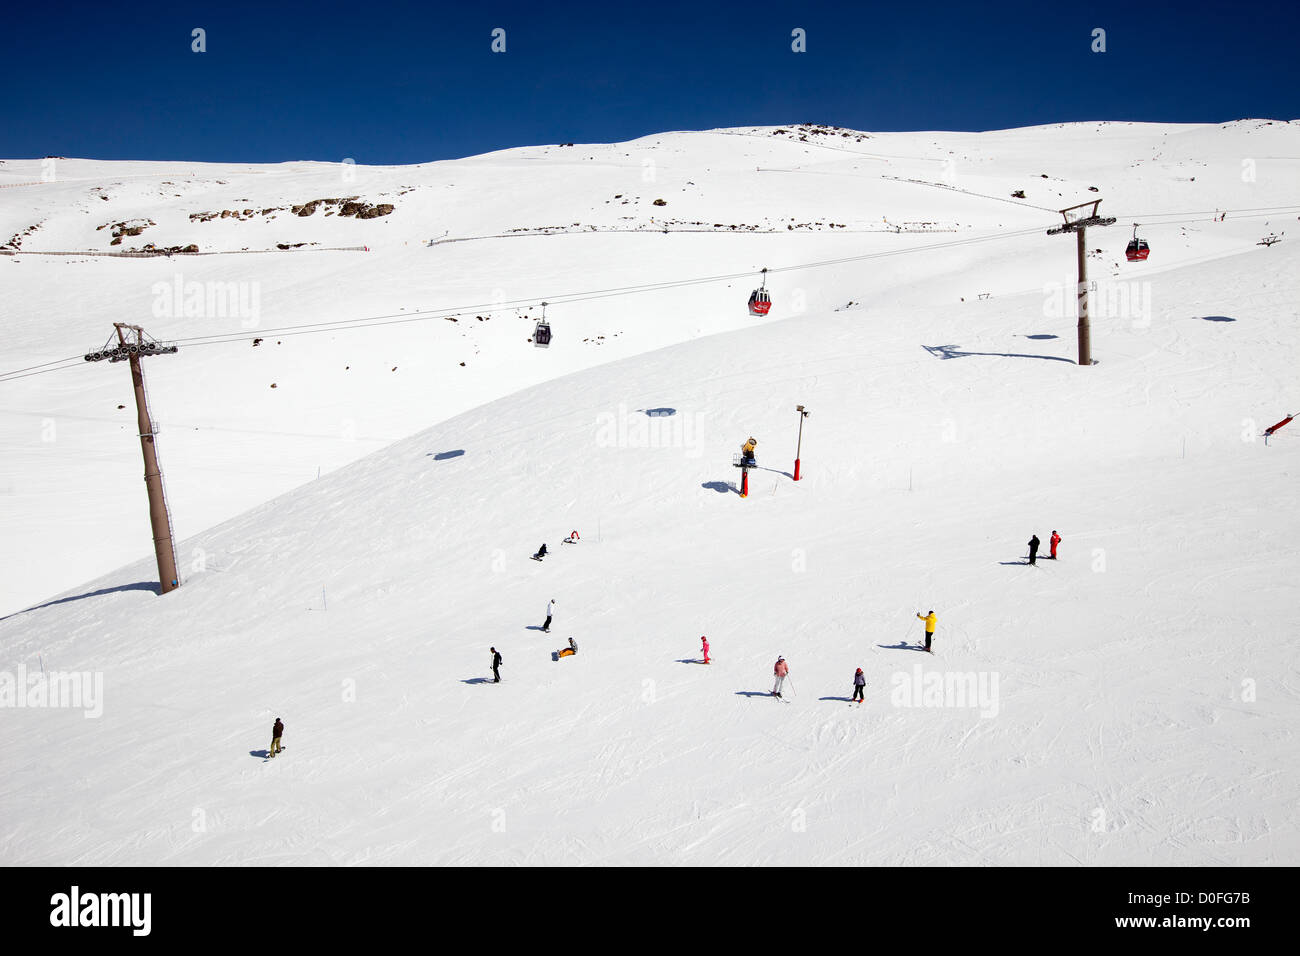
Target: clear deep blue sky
{"x": 406, "y": 82}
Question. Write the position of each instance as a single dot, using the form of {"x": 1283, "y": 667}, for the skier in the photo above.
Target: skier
{"x": 1033, "y": 550}
{"x": 747, "y": 452}
{"x": 929, "y": 627}
{"x": 496, "y": 665}
{"x": 276, "y": 733}
{"x": 859, "y": 682}
{"x": 704, "y": 646}
{"x": 781, "y": 669}
{"x": 1055, "y": 539}
{"x": 550, "y": 611}
{"x": 541, "y": 552}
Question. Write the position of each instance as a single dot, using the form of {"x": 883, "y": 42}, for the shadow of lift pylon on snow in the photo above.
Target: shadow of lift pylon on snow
{"x": 952, "y": 351}
{"x": 138, "y": 586}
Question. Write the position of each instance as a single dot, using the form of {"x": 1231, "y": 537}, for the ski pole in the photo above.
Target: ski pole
{"x": 796, "y": 693}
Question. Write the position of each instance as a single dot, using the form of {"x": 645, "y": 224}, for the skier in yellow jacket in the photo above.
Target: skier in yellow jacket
{"x": 929, "y": 627}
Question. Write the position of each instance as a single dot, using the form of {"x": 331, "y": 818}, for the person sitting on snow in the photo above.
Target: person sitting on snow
{"x": 541, "y": 552}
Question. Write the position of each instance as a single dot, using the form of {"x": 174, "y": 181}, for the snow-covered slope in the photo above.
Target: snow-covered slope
{"x": 70, "y": 495}
{"x": 1139, "y": 695}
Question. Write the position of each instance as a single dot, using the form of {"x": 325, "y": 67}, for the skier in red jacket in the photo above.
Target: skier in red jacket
{"x": 704, "y": 646}
{"x": 1055, "y": 540}
{"x": 779, "y": 670}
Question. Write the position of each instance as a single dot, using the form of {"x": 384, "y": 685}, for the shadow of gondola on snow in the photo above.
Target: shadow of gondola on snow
{"x": 138, "y": 586}
{"x": 444, "y": 455}
{"x": 1042, "y": 336}
{"x": 1216, "y": 318}
{"x": 952, "y": 351}
{"x": 902, "y": 646}
{"x": 658, "y": 412}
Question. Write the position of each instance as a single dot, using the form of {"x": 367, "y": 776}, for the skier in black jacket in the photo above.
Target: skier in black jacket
{"x": 496, "y": 664}
{"x": 1033, "y": 550}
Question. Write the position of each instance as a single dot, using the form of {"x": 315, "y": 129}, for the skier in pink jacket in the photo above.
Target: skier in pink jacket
{"x": 704, "y": 646}
{"x": 781, "y": 669}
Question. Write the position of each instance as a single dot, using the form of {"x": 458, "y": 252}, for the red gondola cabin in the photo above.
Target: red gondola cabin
{"x": 1137, "y": 250}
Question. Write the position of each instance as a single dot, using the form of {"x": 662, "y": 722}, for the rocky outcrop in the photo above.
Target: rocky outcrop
{"x": 349, "y": 206}
{"x": 128, "y": 227}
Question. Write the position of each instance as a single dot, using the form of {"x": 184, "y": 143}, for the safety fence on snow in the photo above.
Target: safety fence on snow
{"x": 155, "y": 253}
{"x": 590, "y": 230}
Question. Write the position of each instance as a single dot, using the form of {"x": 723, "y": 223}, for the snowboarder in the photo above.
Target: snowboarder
{"x": 1055, "y": 539}
{"x": 704, "y": 646}
{"x": 496, "y": 665}
{"x": 747, "y": 452}
{"x": 929, "y": 627}
{"x": 1033, "y": 550}
{"x": 550, "y": 611}
{"x": 566, "y": 652}
{"x": 276, "y": 733}
{"x": 780, "y": 669}
{"x": 571, "y": 539}
{"x": 859, "y": 682}
{"x": 541, "y": 552}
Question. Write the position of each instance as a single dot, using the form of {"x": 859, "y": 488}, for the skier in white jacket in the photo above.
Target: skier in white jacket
{"x": 550, "y": 612}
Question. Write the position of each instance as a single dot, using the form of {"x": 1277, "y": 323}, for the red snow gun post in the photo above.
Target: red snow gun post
{"x": 798, "y": 448}
{"x": 739, "y": 462}
{"x": 745, "y": 461}
{"x": 1268, "y": 432}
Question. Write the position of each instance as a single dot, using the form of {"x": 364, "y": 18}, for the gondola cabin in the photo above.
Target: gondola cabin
{"x": 759, "y": 302}
{"x": 1137, "y": 250}
{"x": 542, "y": 335}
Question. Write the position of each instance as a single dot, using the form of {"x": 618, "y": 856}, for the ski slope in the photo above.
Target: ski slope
{"x": 70, "y": 496}
{"x": 1142, "y": 689}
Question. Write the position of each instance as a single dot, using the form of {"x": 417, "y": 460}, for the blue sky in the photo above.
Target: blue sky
{"x": 410, "y": 82}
